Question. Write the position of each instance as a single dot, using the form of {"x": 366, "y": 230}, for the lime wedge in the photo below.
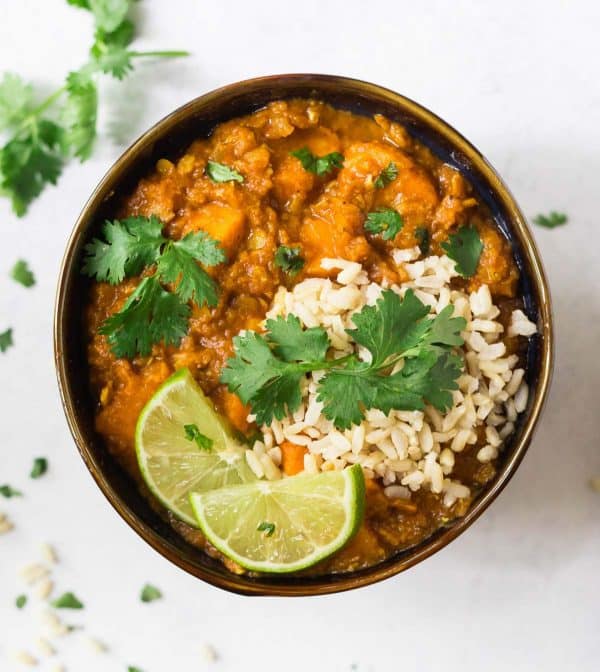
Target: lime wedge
{"x": 171, "y": 464}
{"x": 286, "y": 525}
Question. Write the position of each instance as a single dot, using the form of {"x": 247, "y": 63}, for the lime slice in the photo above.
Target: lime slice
{"x": 171, "y": 464}
{"x": 286, "y": 525}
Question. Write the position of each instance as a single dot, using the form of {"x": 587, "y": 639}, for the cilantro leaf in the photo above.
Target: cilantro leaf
{"x": 259, "y": 378}
{"x": 8, "y": 491}
{"x": 551, "y": 220}
{"x": 423, "y": 239}
{"x": 122, "y": 36}
{"x": 192, "y": 433}
{"x": 6, "y": 340}
{"x": 131, "y": 668}
{"x": 29, "y": 161}
{"x": 22, "y": 274}
{"x": 150, "y": 315}
{"x": 21, "y": 601}
{"x": 289, "y": 259}
{"x": 345, "y": 392}
{"x": 79, "y": 114}
{"x": 113, "y": 59}
{"x": 67, "y": 601}
{"x": 386, "y": 221}
{"x": 150, "y": 593}
{"x": 319, "y": 165}
{"x": 83, "y": 4}
{"x": 128, "y": 246}
{"x": 294, "y": 344}
{"x": 219, "y": 172}
{"x": 15, "y": 100}
{"x": 464, "y": 248}
{"x": 267, "y": 528}
{"x": 178, "y": 264}
{"x": 39, "y": 468}
{"x": 109, "y": 14}
{"x": 393, "y": 325}
{"x": 387, "y": 175}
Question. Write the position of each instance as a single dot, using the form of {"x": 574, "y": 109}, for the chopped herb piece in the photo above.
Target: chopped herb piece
{"x": 464, "y": 248}
{"x": 67, "y": 601}
{"x": 150, "y": 593}
{"x": 131, "y": 668}
{"x": 552, "y": 220}
{"x": 21, "y": 601}
{"x": 192, "y": 433}
{"x": 267, "y": 528}
{"x": 386, "y": 221}
{"x": 151, "y": 314}
{"x": 6, "y": 340}
{"x": 289, "y": 259}
{"x": 319, "y": 165}
{"x": 387, "y": 175}
{"x": 39, "y": 468}
{"x": 423, "y": 241}
{"x": 22, "y": 274}
{"x": 8, "y": 491}
{"x": 266, "y": 370}
{"x": 218, "y": 172}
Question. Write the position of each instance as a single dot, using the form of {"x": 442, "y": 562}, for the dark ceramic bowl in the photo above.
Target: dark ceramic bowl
{"x": 169, "y": 138}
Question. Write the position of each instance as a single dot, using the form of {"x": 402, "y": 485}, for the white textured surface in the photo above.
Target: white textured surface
{"x": 520, "y": 590}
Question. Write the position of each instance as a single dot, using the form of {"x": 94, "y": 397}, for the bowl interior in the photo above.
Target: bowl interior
{"x": 169, "y": 138}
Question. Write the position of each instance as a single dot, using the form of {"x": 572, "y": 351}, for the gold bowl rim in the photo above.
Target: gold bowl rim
{"x": 300, "y": 586}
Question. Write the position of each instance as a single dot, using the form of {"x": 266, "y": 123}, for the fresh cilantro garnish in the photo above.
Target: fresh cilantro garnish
{"x": 423, "y": 239}
{"x": 67, "y": 601}
{"x": 266, "y": 370}
{"x": 152, "y": 314}
{"x": 150, "y": 593}
{"x": 387, "y": 175}
{"x": 39, "y": 468}
{"x": 551, "y": 220}
{"x": 386, "y": 221}
{"x": 319, "y": 165}
{"x": 43, "y": 134}
{"x": 219, "y": 172}
{"x": 267, "y": 528}
{"x": 22, "y": 274}
{"x": 464, "y": 248}
{"x": 131, "y": 668}
{"x": 9, "y": 492}
{"x": 6, "y": 340}
{"x": 289, "y": 259}
{"x": 21, "y": 601}
{"x": 192, "y": 433}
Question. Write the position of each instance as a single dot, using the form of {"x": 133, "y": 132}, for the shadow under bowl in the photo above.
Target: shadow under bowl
{"x": 169, "y": 138}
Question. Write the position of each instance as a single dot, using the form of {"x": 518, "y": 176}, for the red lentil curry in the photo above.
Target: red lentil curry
{"x": 281, "y": 203}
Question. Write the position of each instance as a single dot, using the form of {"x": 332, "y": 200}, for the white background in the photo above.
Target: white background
{"x": 520, "y": 590}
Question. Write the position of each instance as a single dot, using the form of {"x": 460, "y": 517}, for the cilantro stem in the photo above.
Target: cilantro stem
{"x": 42, "y": 107}
{"x": 159, "y": 54}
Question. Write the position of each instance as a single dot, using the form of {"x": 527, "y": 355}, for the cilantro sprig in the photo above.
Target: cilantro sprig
{"x": 43, "y": 134}
{"x": 319, "y": 165}
{"x": 464, "y": 247}
{"x": 266, "y": 371}
{"x": 152, "y": 314}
